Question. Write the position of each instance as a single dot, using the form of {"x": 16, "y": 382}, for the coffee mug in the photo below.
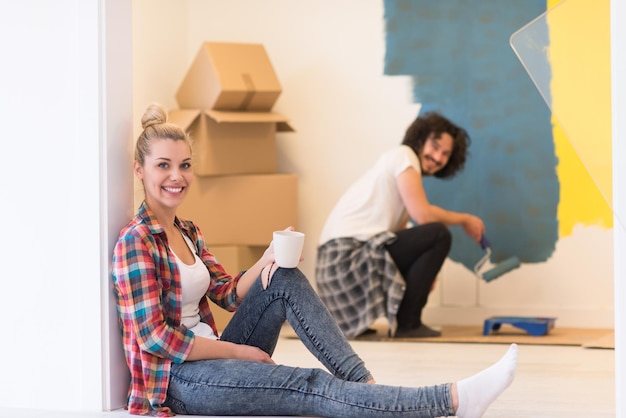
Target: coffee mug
{"x": 288, "y": 248}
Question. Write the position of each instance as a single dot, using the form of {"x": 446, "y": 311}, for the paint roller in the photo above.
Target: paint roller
{"x": 487, "y": 271}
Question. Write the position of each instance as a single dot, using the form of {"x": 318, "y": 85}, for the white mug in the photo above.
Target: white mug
{"x": 288, "y": 248}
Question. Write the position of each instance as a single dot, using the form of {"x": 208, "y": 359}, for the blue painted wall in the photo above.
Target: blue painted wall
{"x": 458, "y": 53}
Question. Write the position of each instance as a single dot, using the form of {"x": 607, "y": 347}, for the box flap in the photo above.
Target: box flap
{"x": 183, "y": 117}
{"x": 230, "y": 76}
{"x": 243, "y": 67}
{"x": 284, "y": 127}
{"x": 221, "y": 116}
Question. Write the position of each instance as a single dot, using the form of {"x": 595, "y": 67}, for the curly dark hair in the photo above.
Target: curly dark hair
{"x": 434, "y": 123}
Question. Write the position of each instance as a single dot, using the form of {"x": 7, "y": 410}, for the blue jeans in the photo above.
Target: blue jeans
{"x": 237, "y": 387}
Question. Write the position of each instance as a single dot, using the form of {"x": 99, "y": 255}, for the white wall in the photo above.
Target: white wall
{"x": 51, "y": 136}
{"x": 618, "y": 79}
{"x": 160, "y": 58}
{"x": 343, "y": 120}
{"x": 55, "y": 205}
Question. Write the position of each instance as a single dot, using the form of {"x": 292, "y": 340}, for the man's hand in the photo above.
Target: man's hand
{"x": 473, "y": 227}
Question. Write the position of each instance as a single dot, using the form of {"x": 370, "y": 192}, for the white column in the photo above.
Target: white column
{"x": 116, "y": 183}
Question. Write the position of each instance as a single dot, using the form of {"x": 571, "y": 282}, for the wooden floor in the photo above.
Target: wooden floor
{"x": 551, "y": 381}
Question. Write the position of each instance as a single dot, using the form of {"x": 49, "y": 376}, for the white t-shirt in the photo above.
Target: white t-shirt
{"x": 373, "y": 203}
{"x": 195, "y": 280}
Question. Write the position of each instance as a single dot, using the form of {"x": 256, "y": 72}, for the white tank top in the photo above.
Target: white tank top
{"x": 195, "y": 280}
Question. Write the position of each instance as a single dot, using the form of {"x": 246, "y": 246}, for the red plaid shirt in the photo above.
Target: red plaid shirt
{"x": 148, "y": 292}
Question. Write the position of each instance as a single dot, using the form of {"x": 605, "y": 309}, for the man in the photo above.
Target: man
{"x": 371, "y": 262}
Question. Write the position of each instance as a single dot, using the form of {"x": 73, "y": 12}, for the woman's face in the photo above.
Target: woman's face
{"x": 435, "y": 153}
{"x": 166, "y": 173}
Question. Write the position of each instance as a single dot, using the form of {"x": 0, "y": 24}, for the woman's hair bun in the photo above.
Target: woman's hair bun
{"x": 154, "y": 115}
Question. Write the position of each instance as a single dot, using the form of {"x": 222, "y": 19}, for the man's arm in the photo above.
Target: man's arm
{"x": 421, "y": 211}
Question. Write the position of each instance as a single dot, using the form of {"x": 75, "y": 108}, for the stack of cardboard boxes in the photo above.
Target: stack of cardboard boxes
{"x": 237, "y": 199}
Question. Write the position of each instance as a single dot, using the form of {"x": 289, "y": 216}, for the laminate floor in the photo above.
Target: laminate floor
{"x": 551, "y": 381}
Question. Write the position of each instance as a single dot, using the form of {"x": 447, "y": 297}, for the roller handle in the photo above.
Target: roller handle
{"x": 484, "y": 243}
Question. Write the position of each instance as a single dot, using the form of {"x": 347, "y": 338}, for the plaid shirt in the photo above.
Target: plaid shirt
{"x": 359, "y": 282}
{"x": 149, "y": 303}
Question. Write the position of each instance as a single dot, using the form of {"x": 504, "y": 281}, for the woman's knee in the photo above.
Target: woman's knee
{"x": 290, "y": 277}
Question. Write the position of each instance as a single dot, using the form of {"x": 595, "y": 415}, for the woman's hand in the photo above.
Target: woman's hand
{"x": 268, "y": 262}
{"x": 268, "y": 255}
{"x": 207, "y": 349}
{"x": 250, "y": 353}
{"x": 261, "y": 267}
{"x": 267, "y": 273}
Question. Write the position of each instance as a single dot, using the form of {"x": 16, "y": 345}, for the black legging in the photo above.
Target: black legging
{"x": 419, "y": 253}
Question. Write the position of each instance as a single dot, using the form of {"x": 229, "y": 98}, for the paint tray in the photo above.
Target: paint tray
{"x": 532, "y": 325}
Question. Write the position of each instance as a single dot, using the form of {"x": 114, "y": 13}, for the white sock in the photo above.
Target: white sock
{"x": 477, "y": 392}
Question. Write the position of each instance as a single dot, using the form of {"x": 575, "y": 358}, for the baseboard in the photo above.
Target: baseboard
{"x": 574, "y": 318}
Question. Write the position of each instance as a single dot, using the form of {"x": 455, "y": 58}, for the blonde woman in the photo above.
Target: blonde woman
{"x": 163, "y": 274}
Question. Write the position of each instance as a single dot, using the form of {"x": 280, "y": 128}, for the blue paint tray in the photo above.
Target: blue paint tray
{"x": 532, "y": 325}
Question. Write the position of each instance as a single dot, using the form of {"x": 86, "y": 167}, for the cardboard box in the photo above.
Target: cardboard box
{"x": 231, "y": 142}
{"x": 242, "y": 209}
{"x": 230, "y": 76}
{"x": 234, "y": 258}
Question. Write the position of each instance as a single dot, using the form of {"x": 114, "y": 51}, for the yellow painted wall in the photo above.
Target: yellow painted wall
{"x": 580, "y": 60}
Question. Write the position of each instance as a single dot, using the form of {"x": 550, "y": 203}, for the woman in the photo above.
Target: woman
{"x": 163, "y": 274}
{"x": 369, "y": 263}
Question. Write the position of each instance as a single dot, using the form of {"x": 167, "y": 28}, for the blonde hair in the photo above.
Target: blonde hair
{"x": 155, "y": 127}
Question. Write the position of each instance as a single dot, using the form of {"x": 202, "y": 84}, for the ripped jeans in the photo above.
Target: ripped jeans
{"x": 238, "y": 387}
